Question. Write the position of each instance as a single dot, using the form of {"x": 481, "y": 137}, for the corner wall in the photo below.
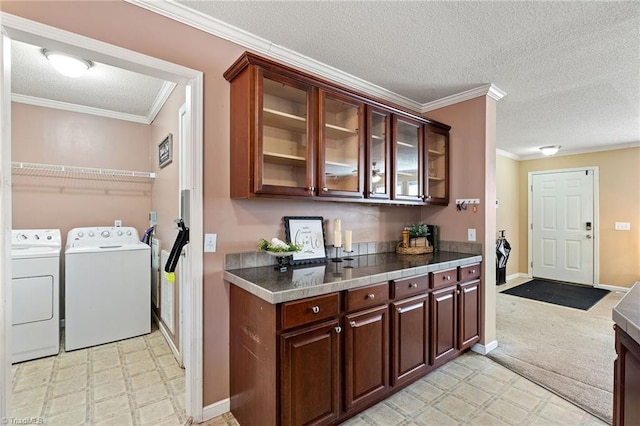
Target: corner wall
{"x": 508, "y": 215}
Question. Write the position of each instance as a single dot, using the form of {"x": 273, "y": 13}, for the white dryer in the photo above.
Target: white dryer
{"x": 107, "y": 286}
{"x": 35, "y": 293}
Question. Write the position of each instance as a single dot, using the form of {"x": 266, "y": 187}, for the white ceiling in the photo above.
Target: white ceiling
{"x": 571, "y": 70}
{"x": 103, "y": 90}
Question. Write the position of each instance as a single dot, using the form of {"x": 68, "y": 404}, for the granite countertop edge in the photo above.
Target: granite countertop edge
{"x": 289, "y": 292}
{"x": 626, "y": 313}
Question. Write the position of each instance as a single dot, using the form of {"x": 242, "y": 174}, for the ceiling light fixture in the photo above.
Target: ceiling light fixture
{"x": 550, "y": 149}
{"x": 68, "y": 65}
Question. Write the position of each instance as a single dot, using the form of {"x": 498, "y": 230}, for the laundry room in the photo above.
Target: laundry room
{"x": 95, "y": 169}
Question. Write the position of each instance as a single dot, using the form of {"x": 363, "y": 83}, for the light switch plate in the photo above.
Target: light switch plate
{"x": 623, "y": 226}
{"x": 210, "y": 242}
{"x": 471, "y": 234}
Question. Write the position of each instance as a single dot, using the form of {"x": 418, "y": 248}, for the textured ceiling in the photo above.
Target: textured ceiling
{"x": 571, "y": 70}
{"x": 104, "y": 87}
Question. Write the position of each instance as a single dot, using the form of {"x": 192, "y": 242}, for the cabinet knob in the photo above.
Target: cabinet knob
{"x": 371, "y": 296}
{"x": 413, "y": 285}
{"x": 315, "y": 309}
{"x": 473, "y": 271}
{"x": 338, "y": 329}
{"x": 423, "y": 196}
{"x": 457, "y": 291}
{"x": 352, "y": 324}
{"x": 447, "y": 278}
{"x": 311, "y": 188}
{"x": 325, "y": 189}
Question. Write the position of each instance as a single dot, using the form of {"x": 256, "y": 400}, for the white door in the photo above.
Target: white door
{"x": 562, "y": 227}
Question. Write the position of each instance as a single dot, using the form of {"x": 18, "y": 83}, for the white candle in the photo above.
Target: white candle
{"x": 337, "y": 238}
{"x": 347, "y": 240}
{"x": 336, "y": 225}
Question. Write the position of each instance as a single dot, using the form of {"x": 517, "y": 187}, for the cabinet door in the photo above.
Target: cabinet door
{"x": 310, "y": 375}
{"x": 408, "y": 160}
{"x": 437, "y": 166}
{"x": 366, "y": 356}
{"x": 469, "y": 314}
{"x": 284, "y": 142}
{"x": 410, "y": 338}
{"x": 378, "y": 153}
{"x": 443, "y": 323}
{"x": 341, "y": 153}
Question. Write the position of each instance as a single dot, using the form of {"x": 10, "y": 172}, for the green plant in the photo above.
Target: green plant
{"x": 277, "y": 246}
{"x": 417, "y": 230}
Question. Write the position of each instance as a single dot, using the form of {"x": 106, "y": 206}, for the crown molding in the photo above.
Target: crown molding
{"x": 161, "y": 98}
{"x": 47, "y": 103}
{"x": 502, "y": 153}
{"x": 485, "y": 90}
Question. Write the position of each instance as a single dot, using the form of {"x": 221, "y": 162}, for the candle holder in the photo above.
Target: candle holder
{"x": 336, "y": 258}
{"x": 348, "y": 253}
{"x": 348, "y": 259}
{"x": 283, "y": 263}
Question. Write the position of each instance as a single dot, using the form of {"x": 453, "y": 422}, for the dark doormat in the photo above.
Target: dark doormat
{"x": 570, "y": 295}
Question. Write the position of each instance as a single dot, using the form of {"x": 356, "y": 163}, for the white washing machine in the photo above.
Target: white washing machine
{"x": 35, "y": 293}
{"x": 107, "y": 286}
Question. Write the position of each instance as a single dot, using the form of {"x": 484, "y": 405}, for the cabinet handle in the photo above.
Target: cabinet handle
{"x": 325, "y": 189}
{"x": 338, "y": 329}
{"x": 413, "y": 285}
{"x": 399, "y": 310}
{"x": 352, "y": 324}
{"x": 315, "y": 309}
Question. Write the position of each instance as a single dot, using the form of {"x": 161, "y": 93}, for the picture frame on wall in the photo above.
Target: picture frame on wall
{"x": 307, "y": 231}
{"x": 165, "y": 151}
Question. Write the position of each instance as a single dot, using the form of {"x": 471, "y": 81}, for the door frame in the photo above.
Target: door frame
{"x": 15, "y": 27}
{"x": 596, "y": 217}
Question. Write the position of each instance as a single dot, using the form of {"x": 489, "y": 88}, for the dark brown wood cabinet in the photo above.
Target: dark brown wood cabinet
{"x": 410, "y": 338}
{"x": 366, "y": 356}
{"x": 626, "y": 380}
{"x": 296, "y": 135}
{"x": 444, "y": 318}
{"x": 469, "y": 314}
{"x": 310, "y": 374}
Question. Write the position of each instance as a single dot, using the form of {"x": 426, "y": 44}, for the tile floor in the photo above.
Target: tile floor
{"x": 470, "y": 390}
{"x": 132, "y": 382}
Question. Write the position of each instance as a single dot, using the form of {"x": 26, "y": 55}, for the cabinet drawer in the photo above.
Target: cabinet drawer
{"x": 468, "y": 273}
{"x": 444, "y": 278}
{"x": 309, "y": 310}
{"x": 367, "y": 297}
{"x": 409, "y": 286}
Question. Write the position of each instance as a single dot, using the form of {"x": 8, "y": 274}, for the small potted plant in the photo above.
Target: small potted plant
{"x": 417, "y": 240}
{"x": 278, "y": 249}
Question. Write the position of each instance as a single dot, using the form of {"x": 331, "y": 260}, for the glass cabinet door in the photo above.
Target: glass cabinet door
{"x": 437, "y": 170}
{"x": 341, "y": 153}
{"x": 283, "y": 138}
{"x": 378, "y": 153}
{"x": 407, "y": 159}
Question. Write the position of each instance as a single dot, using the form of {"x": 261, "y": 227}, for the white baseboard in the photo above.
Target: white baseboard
{"x": 216, "y": 409}
{"x": 517, "y": 275}
{"x": 167, "y": 337}
{"x": 613, "y": 288}
{"x": 484, "y": 349}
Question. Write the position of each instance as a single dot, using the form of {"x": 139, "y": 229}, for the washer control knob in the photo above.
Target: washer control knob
{"x": 106, "y": 234}
{"x": 119, "y": 233}
{"x": 22, "y": 237}
{"x": 49, "y": 237}
{"x": 80, "y": 234}
{"x": 91, "y": 234}
{"x": 128, "y": 233}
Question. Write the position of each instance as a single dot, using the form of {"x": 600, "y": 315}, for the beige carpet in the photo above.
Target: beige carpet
{"x": 568, "y": 351}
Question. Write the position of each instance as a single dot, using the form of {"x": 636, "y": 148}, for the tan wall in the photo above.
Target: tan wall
{"x": 619, "y": 172}
{"x": 238, "y": 223}
{"x": 50, "y": 136}
{"x": 165, "y": 192}
{"x": 508, "y": 215}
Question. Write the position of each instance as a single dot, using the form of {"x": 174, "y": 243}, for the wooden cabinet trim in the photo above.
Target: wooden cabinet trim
{"x": 409, "y": 286}
{"x": 310, "y": 310}
{"x": 444, "y": 278}
{"x": 366, "y": 297}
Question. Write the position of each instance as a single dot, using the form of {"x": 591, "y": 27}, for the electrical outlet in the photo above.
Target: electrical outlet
{"x": 623, "y": 226}
{"x": 210, "y": 242}
{"x": 117, "y": 223}
{"x": 471, "y": 234}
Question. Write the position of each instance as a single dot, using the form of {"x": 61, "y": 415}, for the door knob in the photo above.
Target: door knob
{"x": 588, "y": 236}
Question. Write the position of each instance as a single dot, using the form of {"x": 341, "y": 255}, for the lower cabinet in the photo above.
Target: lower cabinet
{"x": 626, "y": 380}
{"x": 366, "y": 360}
{"x": 410, "y": 338}
{"x": 310, "y": 374}
{"x": 469, "y": 314}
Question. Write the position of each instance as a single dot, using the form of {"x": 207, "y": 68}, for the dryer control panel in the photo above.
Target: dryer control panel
{"x": 36, "y": 238}
{"x": 102, "y": 236}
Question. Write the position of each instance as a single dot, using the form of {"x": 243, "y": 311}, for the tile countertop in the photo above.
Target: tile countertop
{"x": 312, "y": 280}
{"x": 626, "y": 313}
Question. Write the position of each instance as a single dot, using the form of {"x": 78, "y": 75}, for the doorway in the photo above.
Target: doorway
{"x": 32, "y": 32}
{"x": 563, "y": 225}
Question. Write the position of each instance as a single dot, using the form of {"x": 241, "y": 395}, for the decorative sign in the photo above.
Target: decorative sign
{"x": 307, "y": 231}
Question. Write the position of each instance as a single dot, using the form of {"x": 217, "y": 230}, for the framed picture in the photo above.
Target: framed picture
{"x": 308, "y": 231}
{"x": 165, "y": 151}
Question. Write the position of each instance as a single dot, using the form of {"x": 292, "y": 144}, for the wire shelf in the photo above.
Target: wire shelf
{"x": 54, "y": 170}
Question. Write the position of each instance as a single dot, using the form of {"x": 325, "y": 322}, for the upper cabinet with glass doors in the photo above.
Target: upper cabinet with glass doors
{"x": 294, "y": 135}
{"x": 341, "y": 148}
